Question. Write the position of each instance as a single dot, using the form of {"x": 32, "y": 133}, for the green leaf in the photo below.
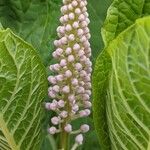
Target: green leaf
{"x": 100, "y": 83}
{"x": 22, "y": 88}
{"x": 35, "y": 21}
{"x": 128, "y": 102}
{"x": 121, "y": 14}
{"x": 97, "y": 12}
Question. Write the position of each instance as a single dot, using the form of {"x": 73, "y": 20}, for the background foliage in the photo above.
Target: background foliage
{"x": 36, "y": 22}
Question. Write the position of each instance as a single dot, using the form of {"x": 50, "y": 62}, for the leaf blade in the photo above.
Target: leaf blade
{"x": 22, "y": 88}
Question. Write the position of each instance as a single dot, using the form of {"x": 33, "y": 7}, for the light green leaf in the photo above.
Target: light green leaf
{"x": 100, "y": 83}
{"x": 128, "y": 105}
{"x": 121, "y": 14}
{"x": 22, "y": 88}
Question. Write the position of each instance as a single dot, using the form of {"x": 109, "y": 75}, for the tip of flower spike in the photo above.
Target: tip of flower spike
{"x": 79, "y": 139}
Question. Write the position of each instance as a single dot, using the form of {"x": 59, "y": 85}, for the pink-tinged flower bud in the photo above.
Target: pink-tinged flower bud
{"x": 75, "y": 108}
{"x": 74, "y": 81}
{"x": 84, "y": 9}
{"x": 52, "y": 94}
{"x": 59, "y": 78}
{"x": 76, "y": 47}
{"x": 51, "y": 106}
{"x": 52, "y": 79}
{"x": 79, "y": 139}
{"x": 80, "y": 32}
{"x": 55, "y": 102}
{"x": 68, "y": 27}
{"x": 52, "y": 130}
{"x": 87, "y": 104}
{"x": 64, "y": 40}
{"x": 63, "y": 114}
{"x": 55, "y": 120}
{"x": 86, "y": 14}
{"x": 81, "y": 53}
{"x": 78, "y": 66}
{"x": 84, "y": 128}
{"x": 88, "y": 112}
{"x": 64, "y": 9}
{"x": 80, "y": 90}
{"x": 63, "y": 62}
{"x": 74, "y": 3}
{"x": 84, "y": 24}
{"x": 85, "y": 97}
{"x": 68, "y": 51}
{"x": 56, "y": 88}
{"x": 47, "y": 106}
{"x": 82, "y": 4}
{"x": 75, "y": 25}
{"x": 68, "y": 73}
{"x": 88, "y": 92}
{"x": 61, "y": 103}
{"x": 66, "y": 18}
{"x": 62, "y": 30}
{"x": 71, "y": 37}
{"x": 81, "y": 17}
{"x": 71, "y": 16}
{"x": 78, "y": 11}
{"x": 71, "y": 97}
{"x": 68, "y": 128}
{"x": 83, "y": 39}
{"x": 66, "y": 89}
{"x": 84, "y": 113}
{"x": 70, "y": 7}
{"x": 71, "y": 58}
{"x": 56, "y": 43}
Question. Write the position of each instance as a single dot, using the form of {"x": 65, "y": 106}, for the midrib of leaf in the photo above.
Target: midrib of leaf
{"x": 8, "y": 135}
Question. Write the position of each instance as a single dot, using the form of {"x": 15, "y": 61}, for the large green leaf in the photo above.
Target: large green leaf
{"x": 128, "y": 105}
{"x": 121, "y": 14}
{"x": 100, "y": 83}
{"x": 22, "y": 88}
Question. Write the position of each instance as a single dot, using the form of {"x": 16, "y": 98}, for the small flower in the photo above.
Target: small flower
{"x": 52, "y": 130}
{"x": 68, "y": 128}
{"x": 55, "y": 120}
{"x": 84, "y": 128}
{"x": 79, "y": 139}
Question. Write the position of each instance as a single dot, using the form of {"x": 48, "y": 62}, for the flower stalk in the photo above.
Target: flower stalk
{"x": 71, "y": 83}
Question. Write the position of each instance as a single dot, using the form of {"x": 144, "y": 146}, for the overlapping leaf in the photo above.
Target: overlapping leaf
{"x": 129, "y": 96}
{"x": 22, "y": 88}
{"x": 121, "y": 14}
{"x": 100, "y": 83}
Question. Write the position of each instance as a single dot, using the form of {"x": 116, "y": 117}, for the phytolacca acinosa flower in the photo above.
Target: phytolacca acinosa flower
{"x": 71, "y": 83}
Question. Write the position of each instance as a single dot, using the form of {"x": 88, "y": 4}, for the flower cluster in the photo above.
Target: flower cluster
{"x": 71, "y": 83}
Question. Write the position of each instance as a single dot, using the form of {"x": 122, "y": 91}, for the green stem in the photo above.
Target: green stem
{"x": 64, "y": 140}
